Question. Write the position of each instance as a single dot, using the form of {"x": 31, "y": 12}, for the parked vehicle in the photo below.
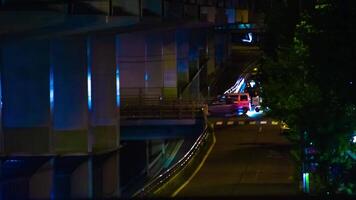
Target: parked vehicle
{"x": 241, "y": 101}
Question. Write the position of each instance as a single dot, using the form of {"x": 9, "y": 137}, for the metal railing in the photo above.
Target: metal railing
{"x": 157, "y": 103}
{"x": 163, "y": 178}
{"x": 172, "y": 110}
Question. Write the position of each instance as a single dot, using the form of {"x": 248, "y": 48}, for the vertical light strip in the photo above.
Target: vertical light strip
{"x": 306, "y": 182}
{"x": 51, "y": 88}
{"x": 89, "y": 73}
{"x": 117, "y": 86}
{"x": 117, "y": 73}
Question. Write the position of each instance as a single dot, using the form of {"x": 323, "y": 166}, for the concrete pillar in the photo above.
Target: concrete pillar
{"x": 40, "y": 183}
{"x": 82, "y": 181}
{"x": 111, "y": 177}
{"x": 104, "y": 115}
{"x": 131, "y": 61}
{"x": 70, "y": 106}
{"x": 25, "y": 96}
{"x": 182, "y": 40}
{"x": 169, "y": 60}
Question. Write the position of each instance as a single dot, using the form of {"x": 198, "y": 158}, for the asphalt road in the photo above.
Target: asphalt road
{"x": 246, "y": 160}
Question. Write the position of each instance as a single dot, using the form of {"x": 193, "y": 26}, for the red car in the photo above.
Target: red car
{"x": 241, "y": 101}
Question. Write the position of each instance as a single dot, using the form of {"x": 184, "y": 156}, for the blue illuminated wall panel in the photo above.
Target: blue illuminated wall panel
{"x": 25, "y": 84}
{"x": 25, "y": 96}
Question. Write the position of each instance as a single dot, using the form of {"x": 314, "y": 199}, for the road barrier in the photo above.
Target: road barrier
{"x": 165, "y": 184}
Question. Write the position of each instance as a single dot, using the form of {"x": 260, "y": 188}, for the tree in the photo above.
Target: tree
{"x": 309, "y": 84}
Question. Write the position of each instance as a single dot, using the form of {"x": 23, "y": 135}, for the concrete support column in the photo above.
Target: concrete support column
{"x": 82, "y": 180}
{"x": 131, "y": 62}
{"x": 70, "y": 94}
{"x": 169, "y": 60}
{"x": 111, "y": 176}
{"x": 182, "y": 40}
{"x": 104, "y": 115}
{"x": 25, "y": 96}
{"x": 40, "y": 183}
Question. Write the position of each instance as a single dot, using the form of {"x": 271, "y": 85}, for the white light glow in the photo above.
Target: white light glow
{"x": 249, "y": 40}
{"x": 237, "y": 86}
{"x": 254, "y": 114}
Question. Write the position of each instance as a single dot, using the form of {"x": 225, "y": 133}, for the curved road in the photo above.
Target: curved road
{"x": 246, "y": 160}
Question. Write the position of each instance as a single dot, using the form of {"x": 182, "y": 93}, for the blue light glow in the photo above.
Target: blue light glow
{"x": 89, "y": 73}
{"x": 89, "y": 89}
{"x": 118, "y": 52}
{"x": 244, "y": 26}
{"x": 51, "y": 88}
{"x": 306, "y": 182}
{"x": 249, "y": 40}
{"x": 230, "y": 14}
{"x": 117, "y": 86}
{"x": 146, "y": 76}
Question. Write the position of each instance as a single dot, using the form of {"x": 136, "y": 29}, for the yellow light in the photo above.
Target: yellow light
{"x": 255, "y": 69}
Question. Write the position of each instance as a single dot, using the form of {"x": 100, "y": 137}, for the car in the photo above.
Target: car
{"x": 241, "y": 101}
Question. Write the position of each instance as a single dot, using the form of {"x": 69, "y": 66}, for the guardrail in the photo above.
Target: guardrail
{"x": 176, "y": 109}
{"x": 152, "y": 187}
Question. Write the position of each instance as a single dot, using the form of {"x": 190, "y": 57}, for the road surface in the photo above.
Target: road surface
{"x": 246, "y": 160}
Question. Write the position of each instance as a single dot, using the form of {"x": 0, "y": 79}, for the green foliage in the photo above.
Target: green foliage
{"x": 308, "y": 83}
